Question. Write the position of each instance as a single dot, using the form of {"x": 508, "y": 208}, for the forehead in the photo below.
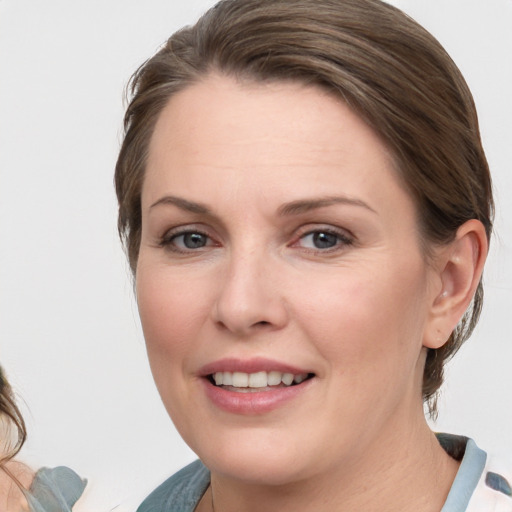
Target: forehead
{"x": 261, "y": 134}
{"x": 228, "y": 100}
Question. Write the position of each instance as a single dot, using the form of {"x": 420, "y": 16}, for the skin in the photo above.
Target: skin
{"x": 11, "y": 496}
{"x": 358, "y": 314}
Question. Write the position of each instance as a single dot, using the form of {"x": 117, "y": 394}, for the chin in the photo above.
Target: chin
{"x": 256, "y": 471}
{"x": 258, "y": 457}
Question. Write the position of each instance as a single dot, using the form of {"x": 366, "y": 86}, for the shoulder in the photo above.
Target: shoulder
{"x": 14, "y": 474}
{"x": 482, "y": 482}
{"x": 55, "y": 489}
{"x": 181, "y": 492}
{"x": 494, "y": 489}
{"x": 49, "y": 489}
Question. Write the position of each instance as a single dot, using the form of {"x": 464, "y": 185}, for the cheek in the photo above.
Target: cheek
{"x": 172, "y": 312}
{"x": 171, "y": 309}
{"x": 368, "y": 322}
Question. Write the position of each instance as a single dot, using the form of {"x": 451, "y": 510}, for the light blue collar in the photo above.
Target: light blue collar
{"x": 466, "y": 480}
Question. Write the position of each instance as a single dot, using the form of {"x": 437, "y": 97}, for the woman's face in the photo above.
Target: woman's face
{"x": 278, "y": 245}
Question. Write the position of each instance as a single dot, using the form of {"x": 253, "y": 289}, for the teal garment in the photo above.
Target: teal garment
{"x": 55, "y": 490}
{"x": 183, "y": 491}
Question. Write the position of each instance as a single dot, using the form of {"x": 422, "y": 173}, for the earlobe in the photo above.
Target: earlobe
{"x": 460, "y": 264}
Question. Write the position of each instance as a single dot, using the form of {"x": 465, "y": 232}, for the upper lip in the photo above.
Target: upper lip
{"x": 254, "y": 365}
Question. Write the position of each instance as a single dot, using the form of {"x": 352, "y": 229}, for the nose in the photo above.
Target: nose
{"x": 250, "y": 297}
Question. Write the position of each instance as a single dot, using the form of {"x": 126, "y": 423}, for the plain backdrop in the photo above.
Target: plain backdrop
{"x": 70, "y": 337}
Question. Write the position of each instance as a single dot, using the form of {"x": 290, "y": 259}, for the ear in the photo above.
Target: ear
{"x": 459, "y": 267}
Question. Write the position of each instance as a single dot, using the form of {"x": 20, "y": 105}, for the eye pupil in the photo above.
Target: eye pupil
{"x": 194, "y": 240}
{"x": 324, "y": 240}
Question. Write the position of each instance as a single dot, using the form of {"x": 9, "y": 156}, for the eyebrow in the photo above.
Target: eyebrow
{"x": 183, "y": 204}
{"x": 293, "y": 208}
{"x": 306, "y": 205}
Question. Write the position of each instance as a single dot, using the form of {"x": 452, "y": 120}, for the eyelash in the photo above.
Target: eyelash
{"x": 343, "y": 240}
{"x": 168, "y": 241}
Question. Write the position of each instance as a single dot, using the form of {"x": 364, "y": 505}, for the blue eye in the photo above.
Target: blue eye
{"x": 193, "y": 240}
{"x": 323, "y": 240}
{"x": 186, "y": 241}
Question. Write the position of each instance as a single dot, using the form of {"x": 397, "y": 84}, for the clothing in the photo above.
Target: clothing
{"x": 480, "y": 485}
{"x": 477, "y": 487}
{"x": 55, "y": 490}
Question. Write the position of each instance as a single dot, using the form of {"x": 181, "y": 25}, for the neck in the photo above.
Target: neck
{"x": 400, "y": 471}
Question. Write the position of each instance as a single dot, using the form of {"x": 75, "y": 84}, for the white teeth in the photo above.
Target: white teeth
{"x": 274, "y": 378}
{"x": 287, "y": 378}
{"x": 240, "y": 380}
{"x": 258, "y": 379}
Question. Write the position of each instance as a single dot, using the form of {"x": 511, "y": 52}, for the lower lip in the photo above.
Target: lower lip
{"x": 254, "y": 402}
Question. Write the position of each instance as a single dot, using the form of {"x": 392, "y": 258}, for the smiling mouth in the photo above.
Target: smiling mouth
{"x": 260, "y": 381}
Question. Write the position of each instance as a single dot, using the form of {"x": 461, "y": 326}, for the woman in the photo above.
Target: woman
{"x": 47, "y": 490}
{"x": 306, "y": 207}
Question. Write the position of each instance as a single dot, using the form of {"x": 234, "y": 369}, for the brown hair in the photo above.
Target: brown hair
{"x": 380, "y": 62}
{"x": 10, "y": 416}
